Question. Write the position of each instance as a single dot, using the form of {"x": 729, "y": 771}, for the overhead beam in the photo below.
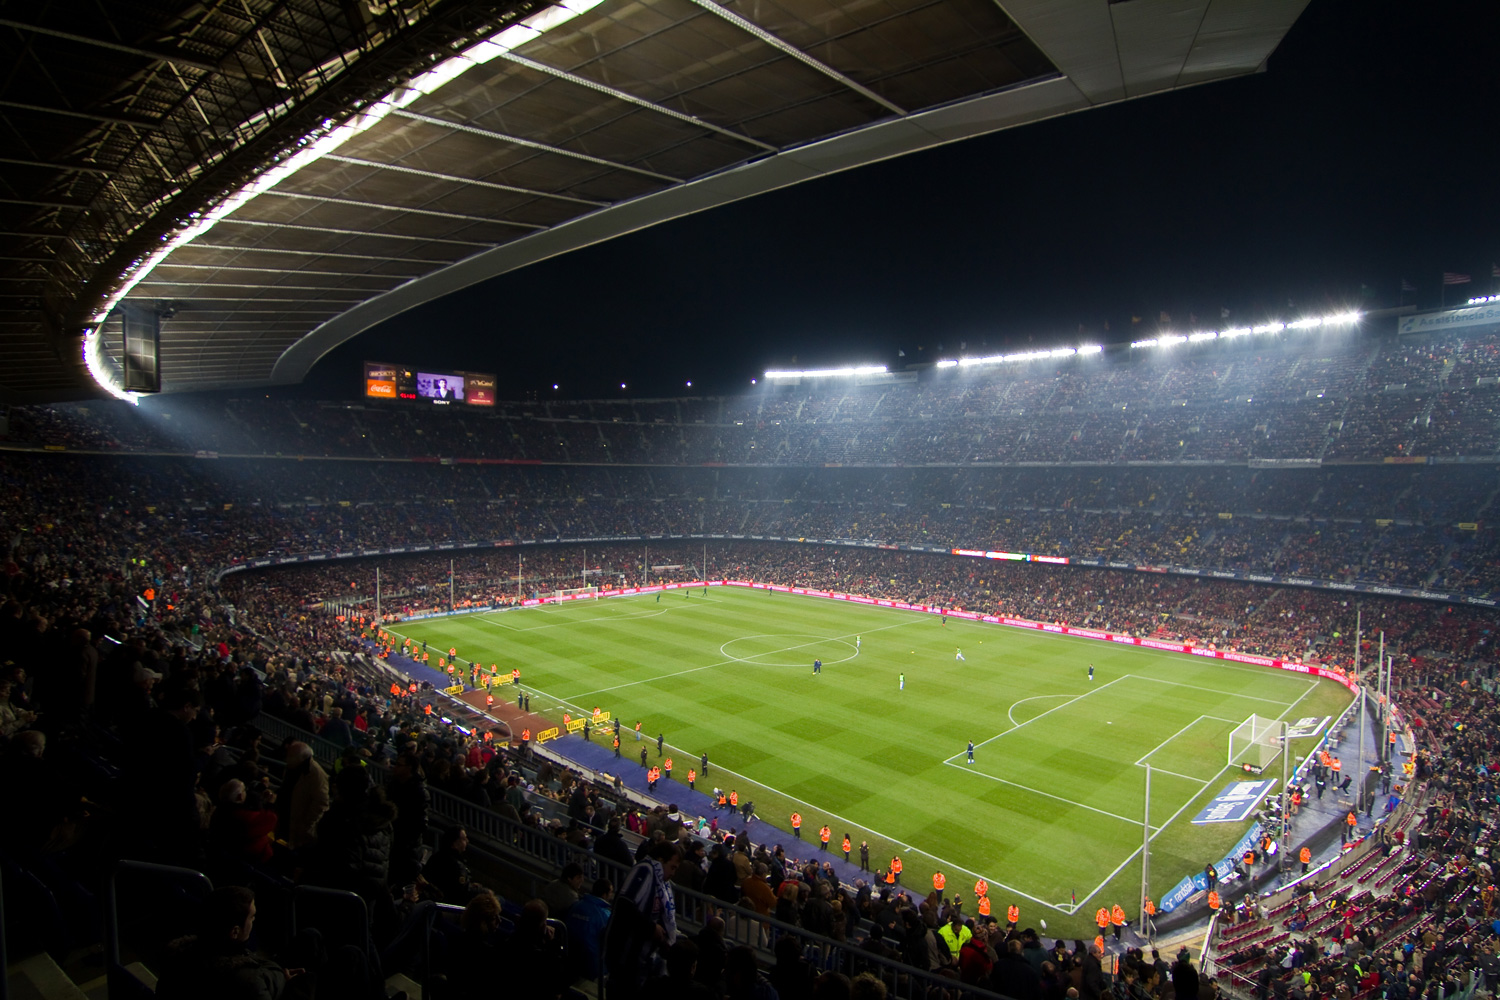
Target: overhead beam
{"x": 133, "y": 121}
{"x": 380, "y": 207}
{"x": 543, "y": 147}
{"x": 787, "y": 48}
{"x": 62, "y": 168}
{"x": 231, "y": 220}
{"x": 155, "y": 55}
{"x": 639, "y": 102}
{"x": 468, "y": 181}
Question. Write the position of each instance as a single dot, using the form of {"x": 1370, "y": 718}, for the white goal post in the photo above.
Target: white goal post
{"x": 1256, "y": 742}
{"x": 576, "y": 592}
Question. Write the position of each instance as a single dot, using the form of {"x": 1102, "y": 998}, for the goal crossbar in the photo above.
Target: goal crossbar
{"x": 1256, "y": 741}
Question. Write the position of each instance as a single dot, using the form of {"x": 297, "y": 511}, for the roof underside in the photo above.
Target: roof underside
{"x": 628, "y": 114}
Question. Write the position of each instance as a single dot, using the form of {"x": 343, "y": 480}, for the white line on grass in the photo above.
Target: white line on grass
{"x": 1049, "y": 711}
{"x": 1037, "y": 791}
{"x": 1217, "y": 691}
{"x": 1312, "y": 685}
{"x": 1136, "y": 853}
{"x": 942, "y": 862}
{"x": 721, "y": 663}
{"x": 1011, "y": 715}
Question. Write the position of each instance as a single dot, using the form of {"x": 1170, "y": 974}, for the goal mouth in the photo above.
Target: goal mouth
{"x": 575, "y": 593}
{"x": 1255, "y": 743}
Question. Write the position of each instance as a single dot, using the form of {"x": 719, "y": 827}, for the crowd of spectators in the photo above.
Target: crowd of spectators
{"x": 1417, "y": 527}
{"x": 135, "y": 676}
{"x": 1340, "y": 396}
{"x": 1417, "y": 918}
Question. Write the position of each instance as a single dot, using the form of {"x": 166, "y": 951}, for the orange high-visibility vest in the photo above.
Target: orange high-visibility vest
{"x": 723, "y": 799}
{"x": 981, "y": 888}
{"x": 427, "y": 709}
{"x": 1213, "y": 900}
{"x": 1101, "y": 917}
{"x": 939, "y": 881}
{"x": 796, "y": 821}
{"x": 890, "y": 878}
{"x": 847, "y": 845}
{"x": 1150, "y": 908}
{"x": 1117, "y": 915}
{"x": 1099, "y": 941}
{"x": 1304, "y": 856}
{"x": 525, "y": 736}
{"x": 1352, "y": 820}
{"x": 896, "y": 865}
{"x": 824, "y": 834}
{"x": 984, "y": 906}
{"x": 668, "y": 765}
{"x": 1012, "y": 912}
{"x": 734, "y": 798}
{"x": 692, "y": 774}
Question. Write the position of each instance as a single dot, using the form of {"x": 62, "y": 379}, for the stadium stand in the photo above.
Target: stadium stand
{"x": 232, "y": 731}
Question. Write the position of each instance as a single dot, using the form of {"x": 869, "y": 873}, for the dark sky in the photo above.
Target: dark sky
{"x": 1366, "y": 153}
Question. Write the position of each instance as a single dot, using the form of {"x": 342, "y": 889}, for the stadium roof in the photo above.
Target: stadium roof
{"x": 273, "y": 178}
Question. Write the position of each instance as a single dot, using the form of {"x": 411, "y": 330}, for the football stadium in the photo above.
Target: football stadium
{"x": 606, "y": 640}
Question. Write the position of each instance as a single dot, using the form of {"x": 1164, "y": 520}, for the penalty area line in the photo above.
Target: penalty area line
{"x": 942, "y": 862}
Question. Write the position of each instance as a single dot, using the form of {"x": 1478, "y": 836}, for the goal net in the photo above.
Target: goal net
{"x": 576, "y": 593}
{"x": 1256, "y": 742}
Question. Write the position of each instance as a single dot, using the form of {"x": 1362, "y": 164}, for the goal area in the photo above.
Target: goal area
{"x": 576, "y": 593}
{"x": 1256, "y": 742}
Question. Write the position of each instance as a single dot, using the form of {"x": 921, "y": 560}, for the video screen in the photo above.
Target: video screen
{"x": 440, "y": 385}
{"x": 480, "y": 389}
{"x": 386, "y": 381}
{"x": 381, "y": 380}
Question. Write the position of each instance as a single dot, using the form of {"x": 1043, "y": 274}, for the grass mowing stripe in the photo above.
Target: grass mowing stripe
{"x": 848, "y": 746}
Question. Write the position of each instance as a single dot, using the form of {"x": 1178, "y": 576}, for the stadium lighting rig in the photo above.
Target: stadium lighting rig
{"x": 314, "y": 146}
{"x": 825, "y": 373}
{"x": 1001, "y": 359}
{"x": 1325, "y": 321}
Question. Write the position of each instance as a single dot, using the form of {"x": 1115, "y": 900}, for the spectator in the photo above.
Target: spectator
{"x": 304, "y": 796}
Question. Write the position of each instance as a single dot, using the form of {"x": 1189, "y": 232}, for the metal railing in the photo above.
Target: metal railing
{"x": 742, "y": 925}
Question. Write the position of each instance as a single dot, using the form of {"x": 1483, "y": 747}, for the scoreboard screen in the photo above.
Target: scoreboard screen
{"x": 434, "y": 388}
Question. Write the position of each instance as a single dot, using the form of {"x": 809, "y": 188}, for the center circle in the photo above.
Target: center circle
{"x": 788, "y": 649}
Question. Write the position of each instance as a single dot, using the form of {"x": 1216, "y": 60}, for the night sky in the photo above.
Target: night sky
{"x": 1367, "y": 153}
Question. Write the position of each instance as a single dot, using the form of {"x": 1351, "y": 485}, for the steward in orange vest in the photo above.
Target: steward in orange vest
{"x": 847, "y": 846}
{"x": 1117, "y": 918}
{"x": 797, "y": 825}
{"x": 1304, "y": 856}
{"x": 890, "y": 878}
{"x": 939, "y": 881}
{"x": 984, "y": 906}
{"x": 1012, "y": 912}
{"x": 1213, "y": 900}
{"x": 981, "y": 888}
{"x": 823, "y": 836}
{"x": 1101, "y": 917}
{"x": 896, "y": 869}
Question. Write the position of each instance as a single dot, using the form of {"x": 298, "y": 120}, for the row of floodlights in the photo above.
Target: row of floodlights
{"x": 1006, "y": 359}
{"x": 1306, "y": 323}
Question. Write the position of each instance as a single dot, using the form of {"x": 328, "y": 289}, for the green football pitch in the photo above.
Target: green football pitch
{"x": 1052, "y": 805}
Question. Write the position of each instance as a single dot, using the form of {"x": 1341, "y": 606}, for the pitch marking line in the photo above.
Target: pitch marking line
{"x": 721, "y": 663}
{"x": 1011, "y": 715}
{"x": 1037, "y": 791}
{"x": 1169, "y": 739}
{"x": 1312, "y": 685}
{"x": 1034, "y": 718}
{"x": 1217, "y": 691}
{"x": 1136, "y": 853}
{"x": 852, "y": 824}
